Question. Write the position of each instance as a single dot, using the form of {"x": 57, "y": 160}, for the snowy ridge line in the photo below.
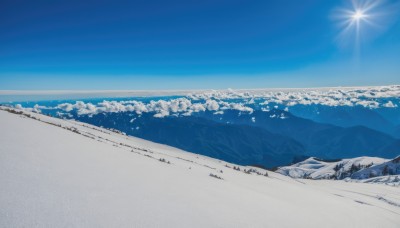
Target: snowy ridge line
{"x": 134, "y": 149}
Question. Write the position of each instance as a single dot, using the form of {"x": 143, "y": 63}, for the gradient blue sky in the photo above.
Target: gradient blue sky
{"x": 183, "y": 44}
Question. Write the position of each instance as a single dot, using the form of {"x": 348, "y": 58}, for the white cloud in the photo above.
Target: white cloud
{"x": 161, "y": 108}
{"x": 389, "y": 104}
{"x": 367, "y": 96}
{"x": 36, "y": 108}
{"x": 212, "y": 105}
{"x": 218, "y": 101}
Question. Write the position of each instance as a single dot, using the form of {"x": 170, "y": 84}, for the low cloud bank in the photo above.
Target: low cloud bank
{"x": 161, "y": 108}
{"x": 243, "y": 101}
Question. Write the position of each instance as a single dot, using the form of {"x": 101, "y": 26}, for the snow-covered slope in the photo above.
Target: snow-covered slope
{"x": 391, "y": 167}
{"x": 362, "y": 169}
{"x": 57, "y": 173}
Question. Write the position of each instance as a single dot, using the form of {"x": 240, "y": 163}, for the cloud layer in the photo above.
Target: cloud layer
{"x": 161, "y": 108}
{"x": 370, "y": 97}
{"x": 243, "y": 101}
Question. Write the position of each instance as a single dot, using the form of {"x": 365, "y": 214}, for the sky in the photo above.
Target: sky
{"x": 207, "y": 44}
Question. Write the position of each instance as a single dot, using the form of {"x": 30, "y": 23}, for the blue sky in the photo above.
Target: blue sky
{"x": 181, "y": 44}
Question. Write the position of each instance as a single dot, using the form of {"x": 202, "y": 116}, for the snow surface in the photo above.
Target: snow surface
{"x": 366, "y": 170}
{"x": 391, "y": 167}
{"x": 59, "y": 173}
{"x": 317, "y": 169}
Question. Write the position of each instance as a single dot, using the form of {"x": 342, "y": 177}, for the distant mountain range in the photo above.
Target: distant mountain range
{"x": 384, "y": 120}
{"x": 268, "y": 139}
{"x": 322, "y": 140}
{"x": 397, "y": 131}
{"x": 239, "y": 144}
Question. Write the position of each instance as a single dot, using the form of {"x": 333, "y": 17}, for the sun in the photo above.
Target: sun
{"x": 358, "y": 15}
{"x": 356, "y": 18}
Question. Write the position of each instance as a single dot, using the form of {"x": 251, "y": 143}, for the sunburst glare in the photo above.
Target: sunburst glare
{"x": 355, "y": 19}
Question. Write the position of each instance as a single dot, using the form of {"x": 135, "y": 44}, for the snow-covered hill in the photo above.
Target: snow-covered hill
{"x": 361, "y": 168}
{"x": 59, "y": 173}
{"x": 391, "y": 167}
